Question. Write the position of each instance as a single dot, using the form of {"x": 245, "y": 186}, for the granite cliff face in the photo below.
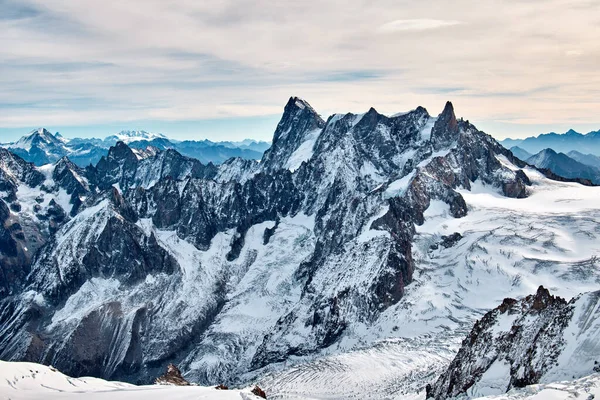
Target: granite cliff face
{"x": 151, "y": 257}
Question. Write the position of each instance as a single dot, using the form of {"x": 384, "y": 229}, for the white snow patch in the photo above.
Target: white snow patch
{"x": 441, "y": 153}
{"x": 304, "y": 152}
{"x": 427, "y": 128}
{"x": 506, "y": 162}
{"x": 47, "y": 170}
{"x": 63, "y": 199}
{"x": 369, "y": 234}
{"x": 399, "y": 186}
{"x": 493, "y": 381}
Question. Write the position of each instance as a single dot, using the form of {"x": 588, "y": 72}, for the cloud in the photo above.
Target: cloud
{"x": 400, "y": 25}
{"x": 75, "y": 62}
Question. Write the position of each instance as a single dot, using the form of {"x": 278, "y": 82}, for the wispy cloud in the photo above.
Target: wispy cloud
{"x": 416, "y": 25}
{"x": 349, "y": 76}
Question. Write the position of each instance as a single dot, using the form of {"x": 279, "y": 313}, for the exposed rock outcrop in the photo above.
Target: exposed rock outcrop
{"x": 172, "y": 377}
{"x": 539, "y": 339}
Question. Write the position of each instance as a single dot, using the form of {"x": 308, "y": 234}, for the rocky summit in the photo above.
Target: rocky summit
{"x": 150, "y": 257}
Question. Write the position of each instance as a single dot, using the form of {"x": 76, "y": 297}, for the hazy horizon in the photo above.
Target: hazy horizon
{"x": 258, "y": 128}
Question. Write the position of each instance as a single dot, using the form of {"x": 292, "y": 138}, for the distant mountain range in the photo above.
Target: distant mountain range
{"x": 571, "y": 140}
{"x": 570, "y": 165}
{"x": 570, "y": 155}
{"x": 42, "y": 147}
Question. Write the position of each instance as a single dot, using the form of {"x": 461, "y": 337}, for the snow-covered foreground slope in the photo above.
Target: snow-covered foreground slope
{"x": 587, "y": 388}
{"x": 30, "y": 381}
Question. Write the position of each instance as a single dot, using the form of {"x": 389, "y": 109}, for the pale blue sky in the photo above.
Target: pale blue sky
{"x": 224, "y": 70}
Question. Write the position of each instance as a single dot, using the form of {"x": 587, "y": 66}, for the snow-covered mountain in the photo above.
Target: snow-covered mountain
{"x": 539, "y": 339}
{"x": 34, "y": 203}
{"x": 42, "y": 147}
{"x": 133, "y": 136}
{"x": 563, "y": 165}
{"x": 357, "y": 237}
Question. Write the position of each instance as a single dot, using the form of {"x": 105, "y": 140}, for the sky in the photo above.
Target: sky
{"x": 223, "y": 70}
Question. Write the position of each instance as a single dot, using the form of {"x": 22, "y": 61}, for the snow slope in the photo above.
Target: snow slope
{"x": 586, "y": 388}
{"x": 30, "y": 381}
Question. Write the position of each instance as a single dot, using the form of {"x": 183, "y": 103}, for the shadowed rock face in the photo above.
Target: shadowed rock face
{"x": 20, "y": 236}
{"x": 529, "y": 339}
{"x": 446, "y": 129}
{"x": 298, "y": 120}
{"x": 156, "y": 253}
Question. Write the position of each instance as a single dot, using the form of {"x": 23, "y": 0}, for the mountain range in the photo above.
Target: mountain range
{"x": 362, "y": 249}
{"x": 570, "y": 165}
{"x": 42, "y": 147}
{"x": 571, "y": 140}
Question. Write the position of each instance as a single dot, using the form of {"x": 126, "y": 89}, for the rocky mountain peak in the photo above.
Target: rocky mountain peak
{"x": 421, "y": 110}
{"x": 65, "y": 163}
{"x": 298, "y": 115}
{"x": 298, "y": 122}
{"x": 68, "y": 176}
{"x": 120, "y": 151}
{"x": 445, "y": 131}
{"x": 43, "y": 132}
{"x": 542, "y": 299}
{"x": 38, "y": 139}
{"x": 521, "y": 342}
{"x": 548, "y": 151}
